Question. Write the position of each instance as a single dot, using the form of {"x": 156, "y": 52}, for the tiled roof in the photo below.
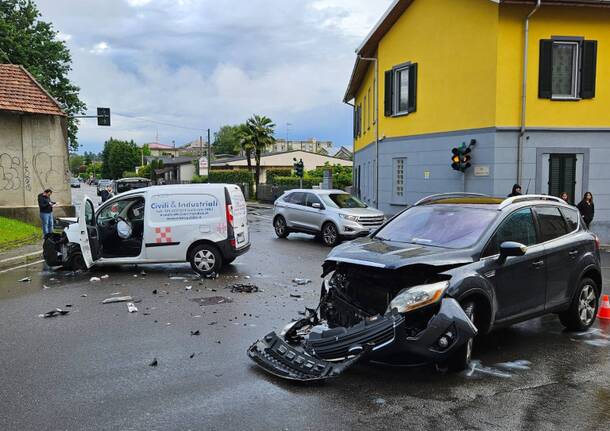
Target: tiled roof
{"x": 19, "y": 92}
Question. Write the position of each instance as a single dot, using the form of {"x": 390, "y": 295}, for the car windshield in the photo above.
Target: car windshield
{"x": 342, "y": 200}
{"x": 440, "y": 225}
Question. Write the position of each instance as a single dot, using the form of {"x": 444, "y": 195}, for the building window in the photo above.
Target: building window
{"x": 567, "y": 69}
{"x": 399, "y": 171}
{"x": 400, "y": 90}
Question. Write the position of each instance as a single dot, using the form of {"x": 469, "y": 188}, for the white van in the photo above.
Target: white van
{"x": 204, "y": 224}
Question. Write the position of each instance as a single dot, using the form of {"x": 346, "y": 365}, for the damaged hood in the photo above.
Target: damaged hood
{"x": 392, "y": 255}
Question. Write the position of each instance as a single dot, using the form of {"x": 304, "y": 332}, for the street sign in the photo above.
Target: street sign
{"x": 203, "y": 166}
{"x": 481, "y": 171}
{"x": 103, "y": 116}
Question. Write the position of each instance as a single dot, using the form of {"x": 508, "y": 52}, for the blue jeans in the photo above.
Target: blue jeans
{"x": 47, "y": 223}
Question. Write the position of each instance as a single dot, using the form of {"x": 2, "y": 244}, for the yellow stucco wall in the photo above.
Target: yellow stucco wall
{"x": 590, "y": 23}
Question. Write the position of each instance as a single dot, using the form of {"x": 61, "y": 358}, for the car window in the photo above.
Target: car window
{"x": 571, "y": 216}
{"x": 111, "y": 211}
{"x": 518, "y": 226}
{"x": 343, "y": 200}
{"x": 551, "y": 223}
{"x": 297, "y": 198}
{"x": 311, "y": 199}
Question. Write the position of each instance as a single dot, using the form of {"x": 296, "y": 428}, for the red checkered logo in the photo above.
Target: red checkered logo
{"x": 164, "y": 234}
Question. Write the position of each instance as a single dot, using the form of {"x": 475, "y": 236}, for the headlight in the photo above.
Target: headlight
{"x": 418, "y": 296}
{"x": 349, "y": 217}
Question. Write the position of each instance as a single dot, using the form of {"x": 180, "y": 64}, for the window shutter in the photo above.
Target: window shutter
{"x": 588, "y": 66}
{"x": 389, "y": 91}
{"x": 545, "y": 73}
{"x": 412, "y": 103}
{"x": 354, "y": 129}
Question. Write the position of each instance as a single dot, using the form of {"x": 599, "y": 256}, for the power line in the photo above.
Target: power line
{"x": 136, "y": 117}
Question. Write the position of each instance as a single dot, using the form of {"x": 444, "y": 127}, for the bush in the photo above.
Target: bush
{"x": 294, "y": 182}
{"x": 228, "y": 176}
{"x": 277, "y": 172}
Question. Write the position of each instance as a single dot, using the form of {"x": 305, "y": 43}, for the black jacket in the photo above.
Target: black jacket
{"x": 44, "y": 203}
{"x": 105, "y": 195}
{"x": 587, "y": 211}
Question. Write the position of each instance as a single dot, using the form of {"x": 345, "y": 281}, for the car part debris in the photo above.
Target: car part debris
{"x": 196, "y": 332}
{"x": 177, "y": 278}
{"x": 192, "y": 355}
{"x": 243, "y": 287}
{"x": 131, "y": 307}
{"x": 95, "y": 279}
{"x": 104, "y": 276}
{"x": 154, "y": 292}
{"x": 84, "y": 295}
{"x": 212, "y": 300}
{"x": 301, "y": 281}
{"x": 54, "y": 313}
{"x": 188, "y": 287}
{"x": 154, "y": 363}
{"x": 25, "y": 280}
{"x": 295, "y": 295}
{"x": 114, "y": 299}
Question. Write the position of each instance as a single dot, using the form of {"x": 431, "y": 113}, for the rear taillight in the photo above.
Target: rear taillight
{"x": 230, "y": 215}
{"x": 233, "y": 243}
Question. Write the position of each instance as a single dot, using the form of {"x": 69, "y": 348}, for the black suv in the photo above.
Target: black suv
{"x": 446, "y": 269}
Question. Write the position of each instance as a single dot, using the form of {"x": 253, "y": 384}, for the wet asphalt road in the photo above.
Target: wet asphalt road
{"x": 89, "y": 369}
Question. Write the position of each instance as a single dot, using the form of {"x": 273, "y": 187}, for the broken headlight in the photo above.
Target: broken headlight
{"x": 419, "y": 296}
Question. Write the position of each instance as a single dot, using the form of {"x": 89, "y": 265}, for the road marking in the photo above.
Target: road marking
{"x": 22, "y": 266}
{"x": 26, "y": 256}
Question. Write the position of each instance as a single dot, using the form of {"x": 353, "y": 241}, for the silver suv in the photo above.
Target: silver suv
{"x": 333, "y": 215}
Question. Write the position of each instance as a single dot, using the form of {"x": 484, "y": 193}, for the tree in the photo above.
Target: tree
{"x": 27, "y": 40}
{"x": 118, "y": 157}
{"x": 146, "y": 150}
{"x": 75, "y": 163}
{"x": 258, "y": 135}
{"x": 227, "y": 139}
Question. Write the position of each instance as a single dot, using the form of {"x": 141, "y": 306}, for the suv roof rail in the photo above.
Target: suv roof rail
{"x": 448, "y": 195}
{"x": 526, "y": 198}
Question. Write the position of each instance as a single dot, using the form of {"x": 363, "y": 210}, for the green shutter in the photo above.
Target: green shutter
{"x": 412, "y": 103}
{"x": 588, "y": 69}
{"x": 389, "y": 91}
{"x": 545, "y": 73}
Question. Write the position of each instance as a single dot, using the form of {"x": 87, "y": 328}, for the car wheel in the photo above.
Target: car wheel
{"x": 205, "y": 259}
{"x": 462, "y": 356}
{"x": 229, "y": 261}
{"x": 75, "y": 262}
{"x": 330, "y": 234}
{"x": 581, "y": 314}
{"x": 281, "y": 228}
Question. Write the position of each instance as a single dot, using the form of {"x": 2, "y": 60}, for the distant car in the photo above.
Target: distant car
{"x": 75, "y": 183}
{"x": 126, "y": 184}
{"x": 333, "y": 215}
{"x": 102, "y": 184}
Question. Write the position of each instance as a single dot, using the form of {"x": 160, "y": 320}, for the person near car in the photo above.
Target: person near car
{"x": 587, "y": 208}
{"x": 45, "y": 204}
{"x": 564, "y": 196}
{"x": 516, "y": 191}
{"x": 106, "y": 194}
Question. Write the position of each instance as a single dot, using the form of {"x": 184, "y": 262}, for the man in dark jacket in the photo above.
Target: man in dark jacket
{"x": 45, "y": 204}
{"x": 516, "y": 191}
{"x": 106, "y": 193}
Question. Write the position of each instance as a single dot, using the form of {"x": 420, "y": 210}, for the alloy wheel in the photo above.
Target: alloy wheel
{"x": 330, "y": 234}
{"x": 587, "y": 303}
{"x": 205, "y": 260}
{"x": 280, "y": 226}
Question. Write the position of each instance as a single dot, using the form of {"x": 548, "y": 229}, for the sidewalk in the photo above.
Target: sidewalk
{"x": 21, "y": 255}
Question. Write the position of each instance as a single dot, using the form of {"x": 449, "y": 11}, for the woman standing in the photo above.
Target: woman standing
{"x": 586, "y": 208}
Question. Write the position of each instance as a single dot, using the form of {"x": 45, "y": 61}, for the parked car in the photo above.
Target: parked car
{"x": 102, "y": 184}
{"x": 204, "y": 224}
{"x": 432, "y": 278}
{"x": 334, "y": 215}
{"x": 74, "y": 183}
{"x": 125, "y": 184}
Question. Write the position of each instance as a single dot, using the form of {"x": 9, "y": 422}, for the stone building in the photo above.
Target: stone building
{"x": 33, "y": 147}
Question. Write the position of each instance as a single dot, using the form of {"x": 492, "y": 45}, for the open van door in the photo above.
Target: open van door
{"x": 89, "y": 237}
{"x": 237, "y": 216}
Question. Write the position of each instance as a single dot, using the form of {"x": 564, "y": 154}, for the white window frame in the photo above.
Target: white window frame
{"x": 575, "y": 95}
{"x": 396, "y": 93}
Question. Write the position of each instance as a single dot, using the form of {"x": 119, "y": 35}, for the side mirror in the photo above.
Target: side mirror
{"x": 511, "y": 248}
{"x": 316, "y": 205}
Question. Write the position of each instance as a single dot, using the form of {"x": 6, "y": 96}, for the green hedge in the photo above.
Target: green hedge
{"x": 228, "y": 176}
{"x": 294, "y": 182}
{"x": 277, "y": 172}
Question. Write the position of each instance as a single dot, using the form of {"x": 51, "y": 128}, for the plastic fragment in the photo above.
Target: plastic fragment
{"x": 94, "y": 279}
{"x": 104, "y": 276}
{"x": 131, "y": 307}
{"x": 117, "y": 299}
{"x": 195, "y": 332}
{"x": 154, "y": 363}
{"x": 301, "y": 281}
{"x": 25, "y": 280}
{"x": 54, "y": 313}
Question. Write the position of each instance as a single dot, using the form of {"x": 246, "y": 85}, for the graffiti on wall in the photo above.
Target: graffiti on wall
{"x": 10, "y": 175}
{"x": 49, "y": 171}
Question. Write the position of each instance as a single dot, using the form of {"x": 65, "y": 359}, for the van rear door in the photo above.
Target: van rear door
{"x": 237, "y": 215}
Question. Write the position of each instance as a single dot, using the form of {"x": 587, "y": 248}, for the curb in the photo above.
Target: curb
{"x": 12, "y": 262}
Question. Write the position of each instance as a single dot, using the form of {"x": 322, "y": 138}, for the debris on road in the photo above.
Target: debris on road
{"x": 212, "y": 300}
{"x": 192, "y": 355}
{"x": 195, "y": 332}
{"x": 154, "y": 363}
{"x": 242, "y": 287}
{"x": 154, "y": 292}
{"x": 94, "y": 279}
{"x": 301, "y": 281}
{"x": 177, "y": 278}
{"x": 117, "y": 299}
{"x": 131, "y": 307}
{"x": 188, "y": 287}
{"x": 104, "y": 276}
{"x": 25, "y": 280}
{"x": 295, "y": 295}
{"x": 53, "y": 313}
{"x": 84, "y": 295}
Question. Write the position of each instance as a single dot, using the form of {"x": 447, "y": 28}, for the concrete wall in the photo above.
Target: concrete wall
{"x": 33, "y": 157}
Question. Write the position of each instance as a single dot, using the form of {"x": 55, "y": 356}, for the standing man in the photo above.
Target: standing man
{"x": 46, "y": 211}
{"x": 106, "y": 194}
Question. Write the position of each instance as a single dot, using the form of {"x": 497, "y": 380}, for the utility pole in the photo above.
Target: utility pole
{"x": 209, "y": 157}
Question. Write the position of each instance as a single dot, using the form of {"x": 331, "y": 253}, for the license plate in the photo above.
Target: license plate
{"x": 240, "y": 237}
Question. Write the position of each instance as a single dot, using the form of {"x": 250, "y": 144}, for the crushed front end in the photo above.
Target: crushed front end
{"x": 368, "y": 313}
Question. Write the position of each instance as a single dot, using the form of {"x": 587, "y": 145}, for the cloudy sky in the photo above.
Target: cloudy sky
{"x": 204, "y": 63}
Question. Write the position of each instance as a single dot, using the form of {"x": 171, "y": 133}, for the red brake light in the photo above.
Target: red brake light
{"x": 230, "y": 215}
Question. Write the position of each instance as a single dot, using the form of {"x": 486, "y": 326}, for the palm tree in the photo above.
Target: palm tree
{"x": 246, "y": 143}
{"x": 258, "y": 136}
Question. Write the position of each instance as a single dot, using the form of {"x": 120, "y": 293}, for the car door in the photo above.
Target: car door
{"x": 89, "y": 237}
{"x": 312, "y": 217}
{"x": 294, "y": 210}
{"x": 560, "y": 251}
{"x": 519, "y": 281}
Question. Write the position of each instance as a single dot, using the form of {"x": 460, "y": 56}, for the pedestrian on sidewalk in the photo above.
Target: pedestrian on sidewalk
{"x": 45, "y": 204}
{"x": 587, "y": 208}
{"x": 516, "y": 191}
{"x": 564, "y": 196}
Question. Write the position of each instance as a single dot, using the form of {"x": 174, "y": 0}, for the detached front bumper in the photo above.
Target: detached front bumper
{"x": 326, "y": 353}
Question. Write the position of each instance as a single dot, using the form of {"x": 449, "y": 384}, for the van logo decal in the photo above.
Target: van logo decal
{"x": 163, "y": 234}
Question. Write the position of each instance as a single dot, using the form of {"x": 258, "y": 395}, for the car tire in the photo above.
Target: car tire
{"x": 583, "y": 309}
{"x": 330, "y": 234}
{"x": 460, "y": 360}
{"x": 75, "y": 262}
{"x": 281, "y": 227}
{"x": 205, "y": 259}
{"x": 229, "y": 261}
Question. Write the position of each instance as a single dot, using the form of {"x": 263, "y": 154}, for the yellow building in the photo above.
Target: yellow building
{"x": 433, "y": 74}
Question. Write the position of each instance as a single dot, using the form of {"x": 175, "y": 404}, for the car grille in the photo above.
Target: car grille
{"x": 370, "y": 221}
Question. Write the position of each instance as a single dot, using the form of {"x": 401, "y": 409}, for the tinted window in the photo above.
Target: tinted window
{"x": 571, "y": 216}
{"x": 343, "y": 200}
{"x": 551, "y": 223}
{"x": 518, "y": 227}
{"x": 440, "y": 225}
{"x": 297, "y": 198}
{"x": 311, "y": 199}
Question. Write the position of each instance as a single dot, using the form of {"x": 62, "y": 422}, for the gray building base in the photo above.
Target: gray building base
{"x": 427, "y": 167}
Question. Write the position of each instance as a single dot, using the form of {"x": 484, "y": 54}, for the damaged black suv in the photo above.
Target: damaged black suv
{"x": 421, "y": 287}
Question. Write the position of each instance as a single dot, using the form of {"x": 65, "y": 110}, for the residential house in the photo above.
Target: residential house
{"x": 433, "y": 74}
{"x": 175, "y": 170}
{"x": 344, "y": 153}
{"x": 311, "y": 145}
{"x": 194, "y": 148}
{"x": 162, "y": 150}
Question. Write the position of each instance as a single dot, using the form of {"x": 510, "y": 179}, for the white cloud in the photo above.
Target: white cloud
{"x": 99, "y": 48}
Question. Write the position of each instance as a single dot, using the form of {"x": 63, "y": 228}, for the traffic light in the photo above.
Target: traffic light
{"x": 460, "y": 156}
{"x": 298, "y": 168}
{"x": 103, "y": 116}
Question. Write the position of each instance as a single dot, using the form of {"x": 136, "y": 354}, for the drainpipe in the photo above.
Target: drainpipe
{"x": 353, "y": 170}
{"x": 376, "y": 91}
{"x": 521, "y": 140}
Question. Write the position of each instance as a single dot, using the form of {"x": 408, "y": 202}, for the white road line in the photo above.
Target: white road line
{"x": 22, "y": 266}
